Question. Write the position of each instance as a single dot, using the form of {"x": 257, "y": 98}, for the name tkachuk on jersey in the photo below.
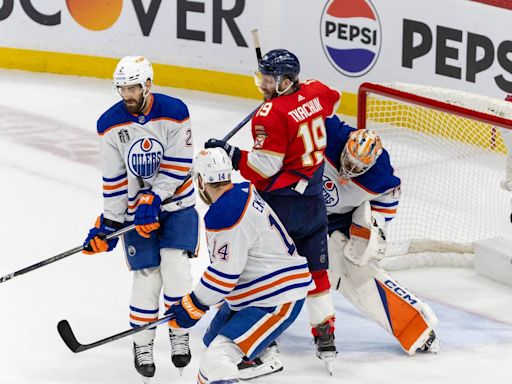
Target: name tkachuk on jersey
{"x": 144, "y": 142}
{"x": 253, "y": 260}
{"x": 290, "y": 139}
{"x": 378, "y": 185}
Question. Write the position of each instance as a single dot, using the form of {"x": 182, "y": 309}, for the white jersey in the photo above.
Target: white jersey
{"x": 378, "y": 185}
{"x": 140, "y": 153}
{"x": 253, "y": 259}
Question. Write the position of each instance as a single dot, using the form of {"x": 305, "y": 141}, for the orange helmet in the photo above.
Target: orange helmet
{"x": 361, "y": 151}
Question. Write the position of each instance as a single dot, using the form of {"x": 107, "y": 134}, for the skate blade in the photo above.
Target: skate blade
{"x": 328, "y": 360}
{"x": 329, "y": 365}
{"x": 435, "y": 346}
{"x": 146, "y": 380}
{"x": 181, "y": 371}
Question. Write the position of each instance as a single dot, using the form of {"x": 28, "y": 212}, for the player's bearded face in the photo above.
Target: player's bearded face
{"x": 267, "y": 85}
{"x": 203, "y": 194}
{"x": 133, "y": 97}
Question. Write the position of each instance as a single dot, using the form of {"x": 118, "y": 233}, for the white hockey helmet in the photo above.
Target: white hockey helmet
{"x": 133, "y": 70}
{"x": 213, "y": 165}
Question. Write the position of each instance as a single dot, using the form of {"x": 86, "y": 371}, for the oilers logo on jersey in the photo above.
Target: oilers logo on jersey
{"x": 144, "y": 157}
{"x": 330, "y": 192}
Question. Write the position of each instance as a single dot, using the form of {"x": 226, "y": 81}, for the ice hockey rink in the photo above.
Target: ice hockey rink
{"x": 51, "y": 195}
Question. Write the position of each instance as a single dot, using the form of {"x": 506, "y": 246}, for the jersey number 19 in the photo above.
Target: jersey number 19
{"x": 314, "y": 138}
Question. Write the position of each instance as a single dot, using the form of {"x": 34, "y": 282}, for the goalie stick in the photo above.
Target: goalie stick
{"x": 67, "y": 335}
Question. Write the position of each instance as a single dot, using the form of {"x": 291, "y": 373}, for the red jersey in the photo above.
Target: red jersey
{"x": 289, "y": 137}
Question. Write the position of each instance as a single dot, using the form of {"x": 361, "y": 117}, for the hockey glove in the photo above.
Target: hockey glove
{"x": 96, "y": 242}
{"x": 186, "y": 312}
{"x": 233, "y": 152}
{"x": 146, "y": 215}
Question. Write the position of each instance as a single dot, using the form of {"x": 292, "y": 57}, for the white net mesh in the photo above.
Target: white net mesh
{"x": 450, "y": 168}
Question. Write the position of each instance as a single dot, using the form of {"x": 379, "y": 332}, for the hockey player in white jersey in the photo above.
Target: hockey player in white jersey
{"x": 362, "y": 194}
{"x": 255, "y": 271}
{"x": 146, "y": 153}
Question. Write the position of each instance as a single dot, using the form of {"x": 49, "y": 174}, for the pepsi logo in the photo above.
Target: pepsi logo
{"x": 351, "y": 35}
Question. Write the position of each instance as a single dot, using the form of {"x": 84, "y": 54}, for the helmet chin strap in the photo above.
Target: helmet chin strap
{"x": 145, "y": 94}
{"x": 278, "y": 83}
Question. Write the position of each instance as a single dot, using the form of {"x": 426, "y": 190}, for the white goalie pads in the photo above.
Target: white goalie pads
{"x": 380, "y": 297}
{"x": 367, "y": 239}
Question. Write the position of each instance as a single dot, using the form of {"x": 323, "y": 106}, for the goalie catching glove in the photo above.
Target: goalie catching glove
{"x": 186, "y": 312}
{"x": 96, "y": 241}
{"x": 146, "y": 215}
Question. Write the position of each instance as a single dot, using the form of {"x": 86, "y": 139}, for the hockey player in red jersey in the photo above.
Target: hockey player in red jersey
{"x": 286, "y": 165}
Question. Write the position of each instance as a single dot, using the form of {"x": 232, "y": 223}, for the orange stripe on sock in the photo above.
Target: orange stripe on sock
{"x": 406, "y": 321}
{"x": 247, "y": 344}
{"x": 143, "y": 319}
{"x": 269, "y": 285}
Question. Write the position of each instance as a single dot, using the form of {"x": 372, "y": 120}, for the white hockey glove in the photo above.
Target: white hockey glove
{"x": 367, "y": 238}
{"x": 506, "y": 183}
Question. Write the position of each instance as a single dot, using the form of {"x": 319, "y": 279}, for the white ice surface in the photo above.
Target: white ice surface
{"x": 50, "y": 197}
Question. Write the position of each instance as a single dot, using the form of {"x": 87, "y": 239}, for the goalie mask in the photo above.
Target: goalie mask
{"x": 360, "y": 153}
{"x": 211, "y": 166}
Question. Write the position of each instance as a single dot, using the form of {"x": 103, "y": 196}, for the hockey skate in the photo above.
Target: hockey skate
{"x": 143, "y": 360}
{"x": 432, "y": 345}
{"x": 180, "y": 351}
{"x": 268, "y": 362}
{"x": 324, "y": 341}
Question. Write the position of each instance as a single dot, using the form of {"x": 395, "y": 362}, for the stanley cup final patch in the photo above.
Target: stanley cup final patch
{"x": 260, "y": 136}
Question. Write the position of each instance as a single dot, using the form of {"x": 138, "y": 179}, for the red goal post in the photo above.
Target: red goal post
{"x": 448, "y": 148}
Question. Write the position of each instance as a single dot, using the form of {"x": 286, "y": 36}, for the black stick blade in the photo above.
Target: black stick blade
{"x": 67, "y": 335}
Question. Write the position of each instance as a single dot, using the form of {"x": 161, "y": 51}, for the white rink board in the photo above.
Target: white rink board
{"x": 293, "y": 24}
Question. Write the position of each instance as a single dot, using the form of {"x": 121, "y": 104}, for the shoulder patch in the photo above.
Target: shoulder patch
{"x": 169, "y": 107}
{"x": 115, "y": 115}
{"x": 226, "y": 212}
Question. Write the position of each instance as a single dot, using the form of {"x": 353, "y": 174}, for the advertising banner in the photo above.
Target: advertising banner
{"x": 206, "y": 44}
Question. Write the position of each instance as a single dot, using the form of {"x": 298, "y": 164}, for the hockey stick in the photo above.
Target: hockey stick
{"x": 256, "y": 41}
{"x": 61, "y": 256}
{"x": 122, "y": 231}
{"x": 67, "y": 335}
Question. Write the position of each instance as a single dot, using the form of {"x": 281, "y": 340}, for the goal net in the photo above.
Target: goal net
{"x": 447, "y": 147}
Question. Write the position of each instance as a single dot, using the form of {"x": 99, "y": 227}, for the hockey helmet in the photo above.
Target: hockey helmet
{"x": 360, "y": 153}
{"x": 133, "y": 70}
{"x": 213, "y": 165}
{"x": 280, "y": 62}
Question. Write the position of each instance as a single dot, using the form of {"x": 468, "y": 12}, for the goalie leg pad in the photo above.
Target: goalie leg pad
{"x": 410, "y": 318}
{"x": 381, "y": 298}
